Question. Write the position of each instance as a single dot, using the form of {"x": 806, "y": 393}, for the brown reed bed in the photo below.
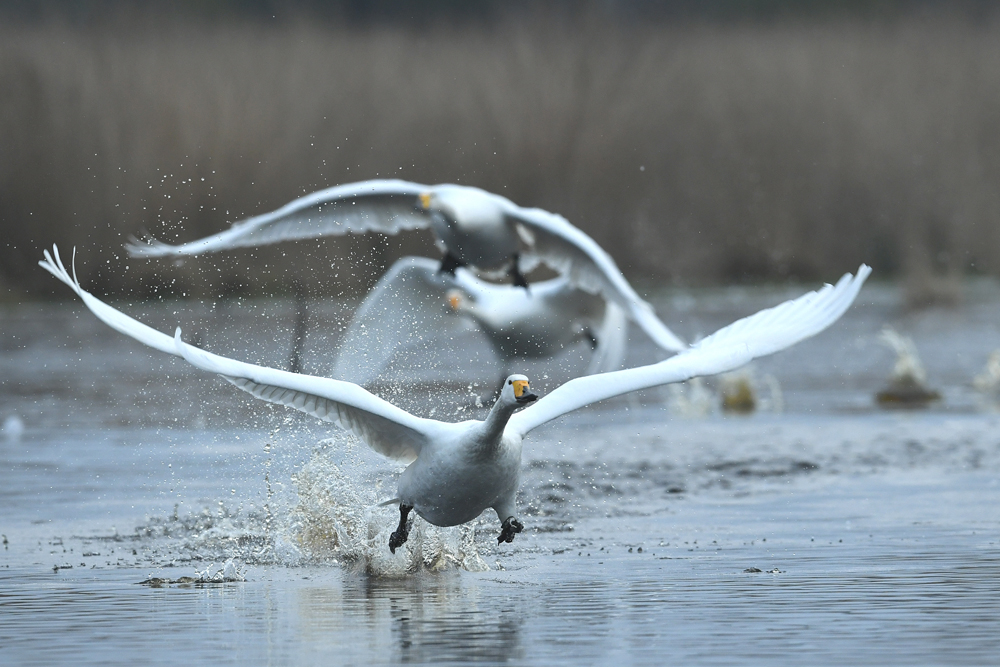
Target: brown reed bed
{"x": 694, "y": 153}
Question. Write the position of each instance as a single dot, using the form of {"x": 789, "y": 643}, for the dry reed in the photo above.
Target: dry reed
{"x": 693, "y": 152}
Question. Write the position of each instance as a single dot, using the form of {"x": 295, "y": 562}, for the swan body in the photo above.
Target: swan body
{"x": 473, "y": 226}
{"x": 457, "y": 470}
{"x": 414, "y": 304}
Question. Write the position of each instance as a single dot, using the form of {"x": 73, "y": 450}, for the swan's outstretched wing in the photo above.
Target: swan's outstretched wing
{"x": 764, "y": 333}
{"x": 387, "y": 206}
{"x": 612, "y": 339}
{"x": 568, "y": 250}
{"x": 408, "y": 306}
{"x": 385, "y": 428}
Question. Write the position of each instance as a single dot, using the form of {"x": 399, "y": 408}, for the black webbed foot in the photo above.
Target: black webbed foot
{"x": 510, "y": 527}
{"x": 449, "y": 263}
{"x": 515, "y": 274}
{"x": 398, "y": 537}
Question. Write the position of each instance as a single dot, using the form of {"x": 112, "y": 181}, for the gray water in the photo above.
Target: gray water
{"x": 827, "y": 532}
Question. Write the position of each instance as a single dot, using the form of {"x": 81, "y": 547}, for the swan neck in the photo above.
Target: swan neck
{"x": 497, "y": 420}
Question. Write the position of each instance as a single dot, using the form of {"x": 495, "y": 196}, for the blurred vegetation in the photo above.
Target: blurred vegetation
{"x": 768, "y": 141}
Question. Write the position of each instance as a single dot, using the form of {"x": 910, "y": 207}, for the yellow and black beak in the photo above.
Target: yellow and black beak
{"x": 521, "y": 393}
{"x": 425, "y": 200}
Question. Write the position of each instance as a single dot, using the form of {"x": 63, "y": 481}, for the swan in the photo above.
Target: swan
{"x": 455, "y": 471}
{"x": 413, "y": 303}
{"x": 474, "y": 227}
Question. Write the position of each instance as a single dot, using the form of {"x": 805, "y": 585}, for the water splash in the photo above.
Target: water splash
{"x": 907, "y": 386}
{"x": 740, "y": 391}
{"x": 691, "y": 399}
{"x": 337, "y": 519}
{"x": 988, "y": 381}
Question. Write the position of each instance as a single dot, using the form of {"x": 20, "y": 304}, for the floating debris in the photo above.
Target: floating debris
{"x": 908, "y": 382}
{"x": 229, "y": 572}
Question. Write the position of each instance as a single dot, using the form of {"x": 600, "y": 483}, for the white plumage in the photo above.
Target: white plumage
{"x": 457, "y": 470}
{"x": 475, "y": 227}
{"x": 414, "y": 304}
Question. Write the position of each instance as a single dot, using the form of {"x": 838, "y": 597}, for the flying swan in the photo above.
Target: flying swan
{"x": 457, "y": 470}
{"x": 414, "y": 305}
{"x": 474, "y": 227}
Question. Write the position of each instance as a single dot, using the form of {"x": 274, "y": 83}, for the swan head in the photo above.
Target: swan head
{"x": 458, "y": 301}
{"x": 516, "y": 391}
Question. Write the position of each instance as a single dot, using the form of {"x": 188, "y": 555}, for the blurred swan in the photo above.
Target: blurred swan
{"x": 907, "y": 386}
{"x": 456, "y": 471}
{"x": 415, "y": 304}
{"x": 473, "y": 227}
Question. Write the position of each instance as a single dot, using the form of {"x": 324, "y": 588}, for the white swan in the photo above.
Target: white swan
{"x": 414, "y": 304}
{"x": 474, "y": 227}
{"x": 457, "y": 470}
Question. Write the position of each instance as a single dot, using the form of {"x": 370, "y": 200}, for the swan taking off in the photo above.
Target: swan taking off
{"x": 474, "y": 227}
{"x": 457, "y": 470}
{"x": 415, "y": 302}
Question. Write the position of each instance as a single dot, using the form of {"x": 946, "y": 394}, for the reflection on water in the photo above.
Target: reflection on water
{"x": 864, "y": 606}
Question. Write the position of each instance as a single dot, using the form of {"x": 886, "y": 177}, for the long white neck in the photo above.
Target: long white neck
{"x": 496, "y": 421}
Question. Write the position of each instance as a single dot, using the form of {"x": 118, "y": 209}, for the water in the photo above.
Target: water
{"x": 876, "y": 534}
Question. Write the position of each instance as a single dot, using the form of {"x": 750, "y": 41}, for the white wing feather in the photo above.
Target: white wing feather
{"x": 385, "y": 206}
{"x": 761, "y": 334}
{"x": 571, "y": 252}
{"x": 612, "y": 339}
{"x": 406, "y": 307}
{"x": 385, "y": 428}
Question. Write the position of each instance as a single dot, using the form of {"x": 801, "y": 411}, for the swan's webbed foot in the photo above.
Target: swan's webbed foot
{"x": 398, "y": 537}
{"x": 510, "y": 527}
{"x": 515, "y": 274}
{"x": 449, "y": 263}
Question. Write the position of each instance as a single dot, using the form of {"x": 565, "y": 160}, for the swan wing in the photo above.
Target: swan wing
{"x": 386, "y": 206}
{"x": 763, "y": 333}
{"x": 385, "y": 428}
{"x": 552, "y": 239}
{"x": 612, "y": 338}
{"x": 407, "y": 307}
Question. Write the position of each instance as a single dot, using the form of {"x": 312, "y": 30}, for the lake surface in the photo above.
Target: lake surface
{"x": 819, "y": 529}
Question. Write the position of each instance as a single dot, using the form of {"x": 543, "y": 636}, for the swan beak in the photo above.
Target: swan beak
{"x": 425, "y": 200}
{"x": 521, "y": 393}
{"x": 453, "y": 300}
